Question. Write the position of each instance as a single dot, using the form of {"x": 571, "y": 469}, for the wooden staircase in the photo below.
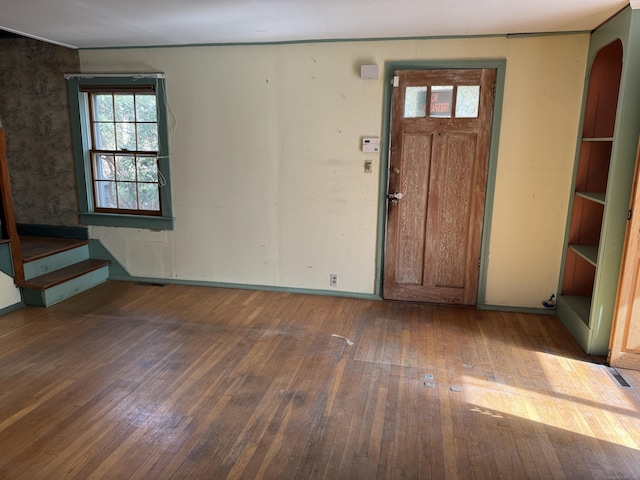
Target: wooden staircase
{"x": 58, "y": 268}
{"x": 47, "y": 269}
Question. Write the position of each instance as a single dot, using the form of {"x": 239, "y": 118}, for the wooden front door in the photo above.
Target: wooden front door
{"x": 440, "y": 135}
{"x": 624, "y": 347}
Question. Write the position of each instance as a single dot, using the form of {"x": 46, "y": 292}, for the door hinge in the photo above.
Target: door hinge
{"x": 629, "y": 214}
{"x": 396, "y": 81}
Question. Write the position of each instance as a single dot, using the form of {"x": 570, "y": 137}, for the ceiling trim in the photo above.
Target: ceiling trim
{"x": 344, "y": 40}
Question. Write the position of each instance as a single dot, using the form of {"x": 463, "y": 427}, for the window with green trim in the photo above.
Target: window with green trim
{"x": 121, "y": 148}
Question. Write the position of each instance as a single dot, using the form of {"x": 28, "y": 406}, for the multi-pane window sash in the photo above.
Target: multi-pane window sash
{"x": 124, "y": 150}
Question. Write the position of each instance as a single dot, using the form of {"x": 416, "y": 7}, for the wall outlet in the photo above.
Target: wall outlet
{"x": 368, "y": 166}
{"x": 333, "y": 279}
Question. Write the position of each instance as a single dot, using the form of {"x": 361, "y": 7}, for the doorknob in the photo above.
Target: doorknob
{"x": 395, "y": 197}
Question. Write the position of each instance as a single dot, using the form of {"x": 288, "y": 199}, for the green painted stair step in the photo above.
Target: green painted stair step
{"x": 55, "y": 286}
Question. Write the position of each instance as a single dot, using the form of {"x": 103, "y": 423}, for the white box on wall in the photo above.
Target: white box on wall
{"x": 368, "y": 71}
{"x": 370, "y": 144}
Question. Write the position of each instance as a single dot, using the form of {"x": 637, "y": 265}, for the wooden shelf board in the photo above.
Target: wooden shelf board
{"x": 573, "y": 312}
{"x": 598, "y": 197}
{"x": 597, "y": 139}
{"x": 588, "y": 252}
{"x": 579, "y": 306}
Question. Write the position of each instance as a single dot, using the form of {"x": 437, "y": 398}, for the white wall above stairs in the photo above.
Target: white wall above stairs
{"x": 9, "y": 293}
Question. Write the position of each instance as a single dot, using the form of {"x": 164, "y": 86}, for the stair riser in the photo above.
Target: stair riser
{"x": 53, "y": 295}
{"x": 54, "y": 262}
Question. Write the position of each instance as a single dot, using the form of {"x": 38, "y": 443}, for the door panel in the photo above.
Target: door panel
{"x": 624, "y": 347}
{"x": 414, "y": 185}
{"x": 440, "y": 133}
{"x": 448, "y": 224}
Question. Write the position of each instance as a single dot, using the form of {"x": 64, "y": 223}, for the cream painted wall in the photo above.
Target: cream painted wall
{"x": 267, "y": 173}
{"x": 9, "y": 293}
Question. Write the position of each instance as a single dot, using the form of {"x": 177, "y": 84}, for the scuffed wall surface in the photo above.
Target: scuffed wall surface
{"x": 267, "y": 172}
{"x": 34, "y": 108}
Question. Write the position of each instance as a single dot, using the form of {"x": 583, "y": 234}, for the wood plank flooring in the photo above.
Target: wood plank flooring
{"x": 131, "y": 381}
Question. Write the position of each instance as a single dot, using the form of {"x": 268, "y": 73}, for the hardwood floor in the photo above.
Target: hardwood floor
{"x": 132, "y": 381}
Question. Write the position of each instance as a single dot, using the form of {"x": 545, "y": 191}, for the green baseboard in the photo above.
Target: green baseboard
{"x": 11, "y": 308}
{"x": 507, "y": 308}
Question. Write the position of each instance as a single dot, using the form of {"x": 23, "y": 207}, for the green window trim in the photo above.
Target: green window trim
{"x": 81, "y": 146}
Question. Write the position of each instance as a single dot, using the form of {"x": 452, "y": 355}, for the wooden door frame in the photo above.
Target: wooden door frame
{"x": 500, "y": 66}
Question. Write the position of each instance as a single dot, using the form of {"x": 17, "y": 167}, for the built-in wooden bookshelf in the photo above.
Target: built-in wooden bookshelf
{"x": 588, "y": 208}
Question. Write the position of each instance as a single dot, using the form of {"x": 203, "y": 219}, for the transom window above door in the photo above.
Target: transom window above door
{"x": 445, "y": 101}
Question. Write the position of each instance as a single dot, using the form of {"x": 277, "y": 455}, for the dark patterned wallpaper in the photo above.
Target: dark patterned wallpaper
{"x": 34, "y": 109}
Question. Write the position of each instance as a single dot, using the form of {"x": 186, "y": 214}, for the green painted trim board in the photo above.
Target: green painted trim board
{"x": 343, "y": 40}
{"x": 11, "y": 308}
{"x": 99, "y": 252}
{"x": 241, "y": 286}
{"x": 503, "y": 308}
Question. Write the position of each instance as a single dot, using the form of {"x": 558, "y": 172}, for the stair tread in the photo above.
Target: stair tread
{"x": 35, "y": 248}
{"x": 62, "y": 275}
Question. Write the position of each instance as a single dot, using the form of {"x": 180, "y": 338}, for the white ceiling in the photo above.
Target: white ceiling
{"x": 116, "y": 23}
